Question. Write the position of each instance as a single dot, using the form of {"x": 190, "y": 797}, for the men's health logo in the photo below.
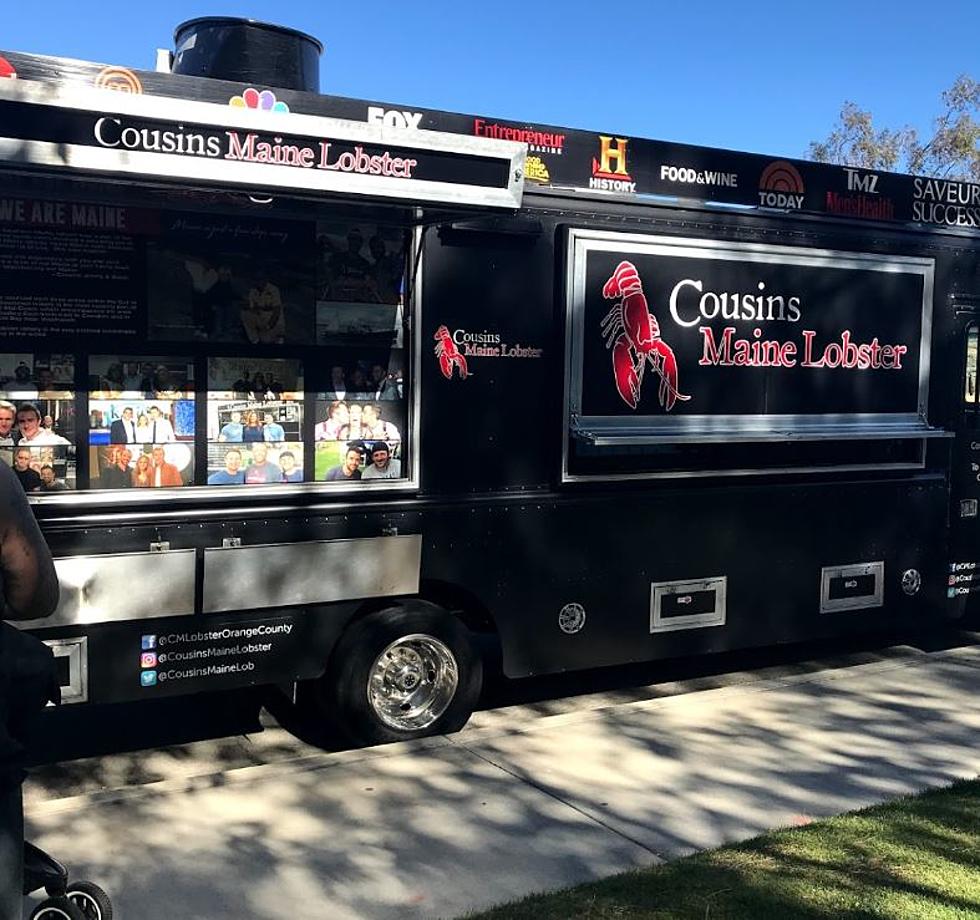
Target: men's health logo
{"x": 148, "y": 679}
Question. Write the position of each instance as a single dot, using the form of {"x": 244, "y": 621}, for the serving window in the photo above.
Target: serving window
{"x": 703, "y": 357}
{"x": 195, "y": 346}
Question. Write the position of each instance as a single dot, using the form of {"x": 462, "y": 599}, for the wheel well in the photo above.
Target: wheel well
{"x": 464, "y": 603}
{"x": 450, "y": 597}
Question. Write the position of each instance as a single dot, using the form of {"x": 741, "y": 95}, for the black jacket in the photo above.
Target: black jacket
{"x": 28, "y": 681}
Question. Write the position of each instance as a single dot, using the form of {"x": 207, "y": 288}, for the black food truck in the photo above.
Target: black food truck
{"x": 322, "y": 392}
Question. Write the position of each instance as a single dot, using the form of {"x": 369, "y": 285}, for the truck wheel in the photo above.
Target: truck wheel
{"x": 402, "y": 673}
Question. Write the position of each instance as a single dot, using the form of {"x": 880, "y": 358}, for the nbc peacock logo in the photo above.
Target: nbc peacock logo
{"x": 781, "y": 186}
{"x": 264, "y": 101}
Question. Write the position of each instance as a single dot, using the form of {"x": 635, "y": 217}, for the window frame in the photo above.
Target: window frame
{"x": 199, "y": 353}
{"x": 709, "y": 429}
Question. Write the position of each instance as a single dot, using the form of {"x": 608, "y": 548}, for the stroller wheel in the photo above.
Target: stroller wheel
{"x": 90, "y": 899}
{"x": 56, "y": 909}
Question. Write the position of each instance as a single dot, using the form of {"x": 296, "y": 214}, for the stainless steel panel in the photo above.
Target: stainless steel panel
{"x": 122, "y": 586}
{"x": 76, "y": 651}
{"x": 861, "y": 602}
{"x": 278, "y": 575}
{"x": 661, "y": 589}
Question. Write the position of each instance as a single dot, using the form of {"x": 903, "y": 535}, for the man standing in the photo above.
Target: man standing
{"x": 260, "y": 470}
{"x": 164, "y": 474}
{"x": 350, "y": 469}
{"x": 31, "y": 432}
{"x": 8, "y": 434}
{"x": 374, "y": 426}
{"x": 29, "y": 479}
{"x": 272, "y": 431}
{"x": 30, "y": 591}
{"x": 232, "y": 431}
{"x": 161, "y": 431}
{"x": 382, "y": 466}
{"x": 232, "y": 474}
{"x": 117, "y": 474}
{"x": 50, "y": 482}
{"x": 123, "y": 430}
{"x": 290, "y": 471}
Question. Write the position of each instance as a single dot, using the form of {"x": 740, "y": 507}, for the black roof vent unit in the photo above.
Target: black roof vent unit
{"x": 246, "y": 51}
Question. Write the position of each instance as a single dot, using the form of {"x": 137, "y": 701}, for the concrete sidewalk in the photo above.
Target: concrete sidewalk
{"x": 448, "y": 825}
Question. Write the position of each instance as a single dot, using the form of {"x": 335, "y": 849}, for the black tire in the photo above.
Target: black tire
{"x": 56, "y": 909}
{"x": 90, "y": 899}
{"x": 417, "y": 637}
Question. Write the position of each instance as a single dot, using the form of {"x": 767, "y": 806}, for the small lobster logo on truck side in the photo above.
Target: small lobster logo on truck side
{"x": 449, "y": 355}
{"x": 632, "y": 332}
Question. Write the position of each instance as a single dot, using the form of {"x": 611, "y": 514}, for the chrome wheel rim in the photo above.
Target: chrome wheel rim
{"x": 412, "y": 682}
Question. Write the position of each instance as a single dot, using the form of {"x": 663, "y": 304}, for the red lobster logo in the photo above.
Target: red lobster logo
{"x": 632, "y": 332}
{"x": 449, "y": 355}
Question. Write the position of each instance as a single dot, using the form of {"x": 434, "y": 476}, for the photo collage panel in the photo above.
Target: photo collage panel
{"x": 360, "y": 409}
{"x": 210, "y": 345}
{"x": 37, "y": 419}
{"x": 255, "y": 421}
{"x": 141, "y": 422}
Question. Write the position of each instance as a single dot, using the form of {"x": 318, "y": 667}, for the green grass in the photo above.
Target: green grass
{"x": 913, "y": 859}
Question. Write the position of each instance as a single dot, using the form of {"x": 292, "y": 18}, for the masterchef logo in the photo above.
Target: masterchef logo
{"x": 120, "y": 80}
{"x": 781, "y": 186}
{"x": 537, "y": 140}
{"x": 609, "y": 170}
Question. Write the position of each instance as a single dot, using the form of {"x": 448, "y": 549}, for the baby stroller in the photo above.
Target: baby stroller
{"x": 28, "y": 672}
{"x": 77, "y": 900}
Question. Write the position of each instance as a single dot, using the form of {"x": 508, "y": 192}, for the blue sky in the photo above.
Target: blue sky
{"x": 766, "y": 77}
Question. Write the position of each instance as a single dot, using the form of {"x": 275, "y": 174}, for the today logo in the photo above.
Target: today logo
{"x": 781, "y": 186}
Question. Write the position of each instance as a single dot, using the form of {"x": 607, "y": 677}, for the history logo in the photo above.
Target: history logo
{"x": 781, "y": 186}
{"x": 609, "y": 169}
